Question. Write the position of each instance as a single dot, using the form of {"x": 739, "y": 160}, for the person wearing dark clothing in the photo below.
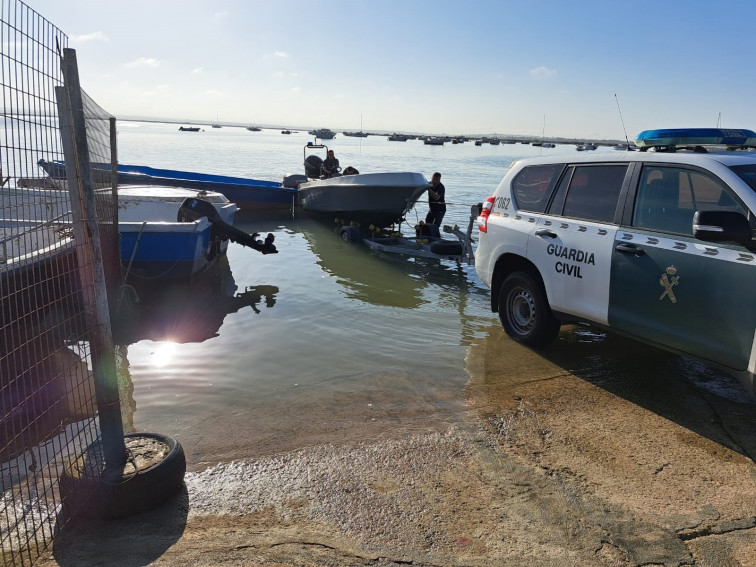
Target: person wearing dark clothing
{"x": 330, "y": 166}
{"x": 436, "y": 203}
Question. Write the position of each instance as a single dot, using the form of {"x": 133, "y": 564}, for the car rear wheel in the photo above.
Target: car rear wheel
{"x": 524, "y": 311}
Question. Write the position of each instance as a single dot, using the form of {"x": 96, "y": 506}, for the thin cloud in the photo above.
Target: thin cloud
{"x": 143, "y": 62}
{"x": 198, "y": 70}
{"x": 281, "y": 54}
{"x": 543, "y": 73}
{"x": 87, "y": 37}
{"x": 284, "y": 75}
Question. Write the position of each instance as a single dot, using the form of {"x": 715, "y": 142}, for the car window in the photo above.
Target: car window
{"x": 668, "y": 197}
{"x": 747, "y": 173}
{"x": 530, "y": 189}
{"x": 590, "y": 192}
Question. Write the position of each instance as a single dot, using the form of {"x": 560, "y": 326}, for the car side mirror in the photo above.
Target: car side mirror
{"x": 722, "y": 226}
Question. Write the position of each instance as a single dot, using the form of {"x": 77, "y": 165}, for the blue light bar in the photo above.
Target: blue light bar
{"x": 695, "y": 137}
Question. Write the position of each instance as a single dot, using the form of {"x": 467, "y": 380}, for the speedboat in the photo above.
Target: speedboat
{"x": 380, "y": 199}
{"x": 247, "y": 194}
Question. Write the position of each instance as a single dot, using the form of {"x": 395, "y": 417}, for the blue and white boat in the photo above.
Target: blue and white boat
{"x": 176, "y": 233}
{"x": 247, "y": 194}
{"x": 165, "y": 232}
{"x": 155, "y": 244}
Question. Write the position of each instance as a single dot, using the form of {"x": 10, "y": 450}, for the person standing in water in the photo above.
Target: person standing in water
{"x": 436, "y": 203}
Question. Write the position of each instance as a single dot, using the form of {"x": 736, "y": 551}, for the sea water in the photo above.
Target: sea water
{"x": 323, "y": 341}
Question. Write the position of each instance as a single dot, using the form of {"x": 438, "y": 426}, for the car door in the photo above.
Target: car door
{"x": 670, "y": 288}
{"x": 572, "y": 243}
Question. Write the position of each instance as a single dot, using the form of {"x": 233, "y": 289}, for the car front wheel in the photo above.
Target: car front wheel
{"x": 524, "y": 311}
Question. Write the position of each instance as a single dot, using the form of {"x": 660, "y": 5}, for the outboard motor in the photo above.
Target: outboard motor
{"x": 294, "y": 180}
{"x": 193, "y": 208}
{"x": 312, "y": 165}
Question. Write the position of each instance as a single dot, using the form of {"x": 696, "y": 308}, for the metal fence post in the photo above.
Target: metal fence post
{"x": 82, "y": 195}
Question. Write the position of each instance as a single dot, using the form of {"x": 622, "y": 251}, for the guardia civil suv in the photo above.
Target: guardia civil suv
{"x": 657, "y": 245}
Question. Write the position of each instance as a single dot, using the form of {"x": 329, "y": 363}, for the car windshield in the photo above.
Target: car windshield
{"x": 747, "y": 173}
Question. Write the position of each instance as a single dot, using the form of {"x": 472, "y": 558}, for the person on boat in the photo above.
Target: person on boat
{"x": 436, "y": 203}
{"x": 330, "y": 166}
{"x": 349, "y": 170}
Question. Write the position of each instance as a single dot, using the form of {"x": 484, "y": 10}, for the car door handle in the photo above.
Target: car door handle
{"x": 626, "y": 248}
{"x": 546, "y": 232}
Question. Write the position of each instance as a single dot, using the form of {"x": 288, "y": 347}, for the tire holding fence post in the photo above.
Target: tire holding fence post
{"x": 141, "y": 469}
{"x": 86, "y": 233}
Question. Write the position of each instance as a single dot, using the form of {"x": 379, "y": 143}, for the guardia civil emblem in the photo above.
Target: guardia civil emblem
{"x": 669, "y": 280}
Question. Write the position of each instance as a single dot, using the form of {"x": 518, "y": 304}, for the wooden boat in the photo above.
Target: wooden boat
{"x": 247, "y": 194}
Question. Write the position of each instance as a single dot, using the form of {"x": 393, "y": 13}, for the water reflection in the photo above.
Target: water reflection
{"x": 186, "y": 313}
{"x": 356, "y": 270}
{"x": 382, "y": 279}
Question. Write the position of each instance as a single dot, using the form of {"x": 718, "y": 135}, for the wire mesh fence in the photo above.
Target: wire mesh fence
{"x": 50, "y": 411}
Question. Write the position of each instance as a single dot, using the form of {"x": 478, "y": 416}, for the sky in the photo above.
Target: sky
{"x": 576, "y": 69}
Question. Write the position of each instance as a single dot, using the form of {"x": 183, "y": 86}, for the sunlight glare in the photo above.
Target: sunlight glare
{"x": 164, "y": 354}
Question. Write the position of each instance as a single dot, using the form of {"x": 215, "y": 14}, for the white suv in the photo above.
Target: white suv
{"x": 658, "y": 245}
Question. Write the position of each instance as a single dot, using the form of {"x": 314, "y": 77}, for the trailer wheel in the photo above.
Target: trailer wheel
{"x": 447, "y": 247}
{"x": 156, "y": 472}
{"x": 351, "y": 234}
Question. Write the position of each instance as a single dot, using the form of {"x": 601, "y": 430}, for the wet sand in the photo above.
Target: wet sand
{"x": 599, "y": 451}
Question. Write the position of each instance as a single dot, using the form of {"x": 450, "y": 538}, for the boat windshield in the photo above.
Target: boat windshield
{"x": 747, "y": 173}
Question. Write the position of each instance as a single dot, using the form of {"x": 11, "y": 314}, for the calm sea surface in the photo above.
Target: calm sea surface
{"x": 324, "y": 338}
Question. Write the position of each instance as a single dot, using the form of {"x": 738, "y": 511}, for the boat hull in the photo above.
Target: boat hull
{"x": 380, "y": 199}
{"x": 168, "y": 250}
{"x": 247, "y": 194}
{"x": 154, "y": 244}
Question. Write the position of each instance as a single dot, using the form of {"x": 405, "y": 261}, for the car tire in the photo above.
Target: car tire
{"x": 84, "y": 494}
{"x": 351, "y": 234}
{"x": 524, "y": 311}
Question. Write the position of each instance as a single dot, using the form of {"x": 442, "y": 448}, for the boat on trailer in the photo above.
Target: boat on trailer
{"x": 427, "y": 242}
{"x": 378, "y": 199}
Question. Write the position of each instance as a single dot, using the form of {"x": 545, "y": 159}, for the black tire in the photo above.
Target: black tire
{"x": 447, "y": 247}
{"x": 88, "y": 497}
{"x": 524, "y": 311}
{"x": 351, "y": 234}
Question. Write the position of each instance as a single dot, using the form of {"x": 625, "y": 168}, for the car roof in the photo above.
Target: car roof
{"x": 727, "y": 158}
